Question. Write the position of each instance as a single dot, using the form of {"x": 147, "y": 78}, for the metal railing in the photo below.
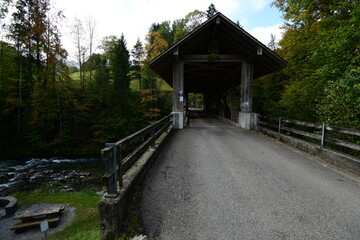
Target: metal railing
{"x": 120, "y": 156}
{"x": 320, "y": 131}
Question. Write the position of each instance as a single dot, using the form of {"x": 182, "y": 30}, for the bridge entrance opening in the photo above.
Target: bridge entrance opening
{"x": 200, "y": 118}
{"x": 195, "y": 101}
{"x": 216, "y": 58}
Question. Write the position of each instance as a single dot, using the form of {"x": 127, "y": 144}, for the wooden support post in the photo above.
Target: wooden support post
{"x": 178, "y": 96}
{"x": 247, "y": 119}
{"x": 246, "y": 93}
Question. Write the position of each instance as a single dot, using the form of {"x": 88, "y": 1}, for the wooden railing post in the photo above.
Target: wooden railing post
{"x": 120, "y": 160}
{"x": 109, "y": 154}
{"x": 153, "y": 131}
{"x": 323, "y": 134}
{"x": 280, "y": 124}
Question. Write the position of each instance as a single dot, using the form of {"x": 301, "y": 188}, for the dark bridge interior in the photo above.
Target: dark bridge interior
{"x": 202, "y": 77}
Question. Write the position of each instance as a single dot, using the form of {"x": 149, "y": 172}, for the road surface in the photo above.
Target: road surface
{"x": 216, "y": 181}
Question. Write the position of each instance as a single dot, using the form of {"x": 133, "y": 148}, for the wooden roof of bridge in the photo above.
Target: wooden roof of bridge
{"x": 233, "y": 45}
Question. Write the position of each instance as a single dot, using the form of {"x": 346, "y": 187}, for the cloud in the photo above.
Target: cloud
{"x": 134, "y": 17}
{"x": 263, "y": 34}
{"x": 258, "y": 4}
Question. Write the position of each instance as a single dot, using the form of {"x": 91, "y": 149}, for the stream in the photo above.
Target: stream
{"x": 23, "y": 175}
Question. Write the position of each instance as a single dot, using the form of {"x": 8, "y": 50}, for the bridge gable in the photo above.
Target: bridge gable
{"x": 215, "y": 57}
{"x": 221, "y": 44}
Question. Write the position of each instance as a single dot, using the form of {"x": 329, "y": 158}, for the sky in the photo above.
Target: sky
{"x": 133, "y": 18}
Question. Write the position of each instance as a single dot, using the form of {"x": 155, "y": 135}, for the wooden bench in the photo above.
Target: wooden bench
{"x": 32, "y": 218}
{"x": 53, "y": 222}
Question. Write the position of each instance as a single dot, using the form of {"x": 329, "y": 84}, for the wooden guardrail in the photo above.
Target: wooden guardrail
{"x": 120, "y": 156}
{"x": 319, "y": 132}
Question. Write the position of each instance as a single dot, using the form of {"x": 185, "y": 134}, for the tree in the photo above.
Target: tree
{"x": 211, "y": 11}
{"x": 137, "y": 54}
{"x": 166, "y": 32}
{"x": 340, "y": 102}
{"x": 9, "y": 93}
{"x": 155, "y": 45}
{"x": 78, "y": 33}
{"x": 319, "y": 43}
{"x": 101, "y": 76}
{"x": 29, "y": 31}
{"x": 191, "y": 21}
{"x": 43, "y": 95}
{"x": 119, "y": 66}
{"x": 272, "y": 44}
{"x": 154, "y": 27}
{"x": 91, "y": 28}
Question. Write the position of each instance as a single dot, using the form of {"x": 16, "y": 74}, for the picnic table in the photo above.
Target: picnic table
{"x": 31, "y": 218}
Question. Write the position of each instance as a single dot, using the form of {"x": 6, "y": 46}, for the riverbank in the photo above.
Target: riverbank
{"x": 18, "y": 153}
{"x": 75, "y": 183}
{"x": 69, "y": 174}
{"x": 79, "y": 187}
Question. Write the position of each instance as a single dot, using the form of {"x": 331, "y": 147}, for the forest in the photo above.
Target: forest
{"x": 49, "y": 108}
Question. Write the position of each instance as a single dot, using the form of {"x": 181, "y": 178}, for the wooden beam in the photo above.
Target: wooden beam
{"x": 211, "y": 65}
{"x": 178, "y": 86}
{"x": 247, "y": 71}
{"x": 205, "y": 58}
{"x": 218, "y": 20}
{"x": 176, "y": 53}
{"x": 213, "y": 45}
{"x": 207, "y": 69}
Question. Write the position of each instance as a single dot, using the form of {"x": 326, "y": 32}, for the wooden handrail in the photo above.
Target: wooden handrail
{"x": 302, "y": 123}
{"x": 117, "y": 163}
{"x": 322, "y": 127}
{"x": 349, "y": 131}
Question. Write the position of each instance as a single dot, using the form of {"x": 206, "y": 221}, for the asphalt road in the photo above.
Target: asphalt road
{"x": 216, "y": 181}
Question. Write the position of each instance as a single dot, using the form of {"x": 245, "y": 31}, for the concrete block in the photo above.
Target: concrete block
{"x": 10, "y": 205}
{"x": 178, "y": 120}
{"x": 111, "y": 217}
{"x": 248, "y": 120}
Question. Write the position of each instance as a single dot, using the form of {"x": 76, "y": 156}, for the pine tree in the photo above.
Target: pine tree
{"x": 138, "y": 57}
{"x": 272, "y": 44}
{"x": 211, "y": 11}
{"x": 119, "y": 66}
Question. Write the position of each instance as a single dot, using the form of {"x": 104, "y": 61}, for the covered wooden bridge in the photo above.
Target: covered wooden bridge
{"x": 215, "y": 57}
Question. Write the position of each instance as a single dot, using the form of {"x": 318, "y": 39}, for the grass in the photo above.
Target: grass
{"x": 134, "y": 84}
{"x": 76, "y": 75}
{"x": 86, "y": 222}
{"x": 85, "y": 225}
{"x": 162, "y": 85}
